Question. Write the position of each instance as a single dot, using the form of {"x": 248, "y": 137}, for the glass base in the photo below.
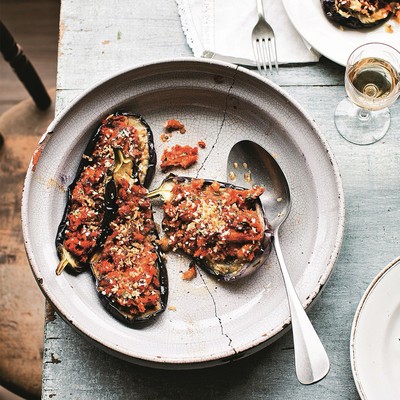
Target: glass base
{"x": 361, "y": 126}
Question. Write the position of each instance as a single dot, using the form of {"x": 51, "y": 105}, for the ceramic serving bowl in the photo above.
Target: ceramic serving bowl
{"x": 207, "y": 322}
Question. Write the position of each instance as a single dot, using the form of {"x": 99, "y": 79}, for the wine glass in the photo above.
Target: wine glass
{"x": 372, "y": 84}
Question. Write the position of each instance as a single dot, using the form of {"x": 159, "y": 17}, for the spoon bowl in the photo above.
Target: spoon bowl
{"x": 250, "y": 164}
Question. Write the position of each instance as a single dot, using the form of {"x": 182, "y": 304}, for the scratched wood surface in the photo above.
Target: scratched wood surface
{"x": 34, "y": 26}
{"x": 103, "y": 37}
{"x": 22, "y": 303}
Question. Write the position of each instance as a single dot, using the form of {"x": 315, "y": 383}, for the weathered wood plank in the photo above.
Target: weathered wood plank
{"x": 371, "y": 241}
{"x": 94, "y": 43}
{"x": 22, "y": 302}
{"x": 114, "y": 35}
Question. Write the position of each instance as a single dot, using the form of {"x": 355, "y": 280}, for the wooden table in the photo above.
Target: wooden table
{"x": 100, "y": 38}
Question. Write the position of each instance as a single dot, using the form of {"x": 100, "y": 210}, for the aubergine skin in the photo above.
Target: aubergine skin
{"x": 117, "y": 166}
{"x": 105, "y": 209}
{"x": 331, "y": 10}
{"x": 131, "y": 277}
{"x": 231, "y": 269}
{"x": 147, "y": 318}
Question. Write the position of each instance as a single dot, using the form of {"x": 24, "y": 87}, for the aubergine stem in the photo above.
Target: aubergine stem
{"x": 164, "y": 190}
{"x": 156, "y": 193}
{"x": 61, "y": 265}
{"x": 66, "y": 260}
{"x": 123, "y": 166}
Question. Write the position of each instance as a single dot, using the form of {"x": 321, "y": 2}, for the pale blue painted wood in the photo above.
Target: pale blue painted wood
{"x": 103, "y": 37}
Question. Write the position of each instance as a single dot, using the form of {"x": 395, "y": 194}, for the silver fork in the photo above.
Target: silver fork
{"x": 264, "y": 44}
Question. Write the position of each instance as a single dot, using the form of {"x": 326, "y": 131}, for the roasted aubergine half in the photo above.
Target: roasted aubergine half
{"x": 131, "y": 277}
{"x": 108, "y": 223}
{"x": 222, "y": 227}
{"x": 358, "y": 14}
{"x": 90, "y": 197}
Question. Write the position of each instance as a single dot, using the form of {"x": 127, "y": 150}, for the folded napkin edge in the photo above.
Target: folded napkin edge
{"x": 196, "y": 45}
{"x": 192, "y": 38}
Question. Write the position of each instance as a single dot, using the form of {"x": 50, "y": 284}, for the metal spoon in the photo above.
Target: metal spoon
{"x": 249, "y": 164}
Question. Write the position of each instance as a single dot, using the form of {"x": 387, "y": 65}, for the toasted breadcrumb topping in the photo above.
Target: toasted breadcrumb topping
{"x": 213, "y": 222}
{"x": 86, "y": 210}
{"x": 127, "y": 265}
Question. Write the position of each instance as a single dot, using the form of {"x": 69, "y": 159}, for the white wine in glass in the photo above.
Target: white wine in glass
{"x": 372, "y": 82}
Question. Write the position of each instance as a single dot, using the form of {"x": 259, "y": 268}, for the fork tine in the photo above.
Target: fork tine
{"x": 261, "y": 55}
{"x": 264, "y": 44}
{"x": 261, "y": 45}
{"x": 275, "y": 53}
{"x": 257, "y": 54}
{"x": 267, "y": 54}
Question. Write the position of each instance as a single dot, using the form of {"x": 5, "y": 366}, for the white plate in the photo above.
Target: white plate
{"x": 309, "y": 20}
{"x": 208, "y": 322}
{"x": 375, "y": 337}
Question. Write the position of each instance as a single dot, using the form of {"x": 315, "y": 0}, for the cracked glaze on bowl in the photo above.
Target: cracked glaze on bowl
{"x": 207, "y": 322}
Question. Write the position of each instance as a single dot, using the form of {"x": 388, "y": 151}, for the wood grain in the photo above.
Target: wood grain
{"x": 22, "y": 303}
{"x": 100, "y": 40}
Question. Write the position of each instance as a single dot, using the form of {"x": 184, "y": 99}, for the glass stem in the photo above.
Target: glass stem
{"x": 363, "y": 114}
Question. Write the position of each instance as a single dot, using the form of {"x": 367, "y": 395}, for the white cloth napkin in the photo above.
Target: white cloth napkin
{"x": 224, "y": 27}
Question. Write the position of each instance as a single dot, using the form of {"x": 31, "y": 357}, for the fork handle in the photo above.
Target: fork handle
{"x": 260, "y": 8}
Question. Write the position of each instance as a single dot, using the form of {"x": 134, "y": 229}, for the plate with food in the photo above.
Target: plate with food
{"x": 335, "y": 28}
{"x": 140, "y": 240}
{"x": 375, "y": 337}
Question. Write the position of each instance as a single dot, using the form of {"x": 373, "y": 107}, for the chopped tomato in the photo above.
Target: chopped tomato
{"x": 127, "y": 263}
{"x": 190, "y": 274}
{"x": 213, "y": 222}
{"x": 87, "y": 196}
{"x": 201, "y": 144}
{"x": 174, "y": 125}
{"x": 179, "y": 156}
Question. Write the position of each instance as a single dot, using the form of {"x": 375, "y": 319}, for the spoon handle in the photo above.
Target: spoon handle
{"x": 311, "y": 359}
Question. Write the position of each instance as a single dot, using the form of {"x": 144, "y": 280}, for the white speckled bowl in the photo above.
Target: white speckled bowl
{"x": 207, "y": 322}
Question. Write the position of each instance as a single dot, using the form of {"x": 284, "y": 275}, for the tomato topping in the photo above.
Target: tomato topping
{"x": 127, "y": 264}
{"x": 179, "y": 156}
{"x": 174, "y": 125}
{"x": 201, "y": 144}
{"x": 213, "y": 222}
{"x": 190, "y": 274}
{"x": 86, "y": 210}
